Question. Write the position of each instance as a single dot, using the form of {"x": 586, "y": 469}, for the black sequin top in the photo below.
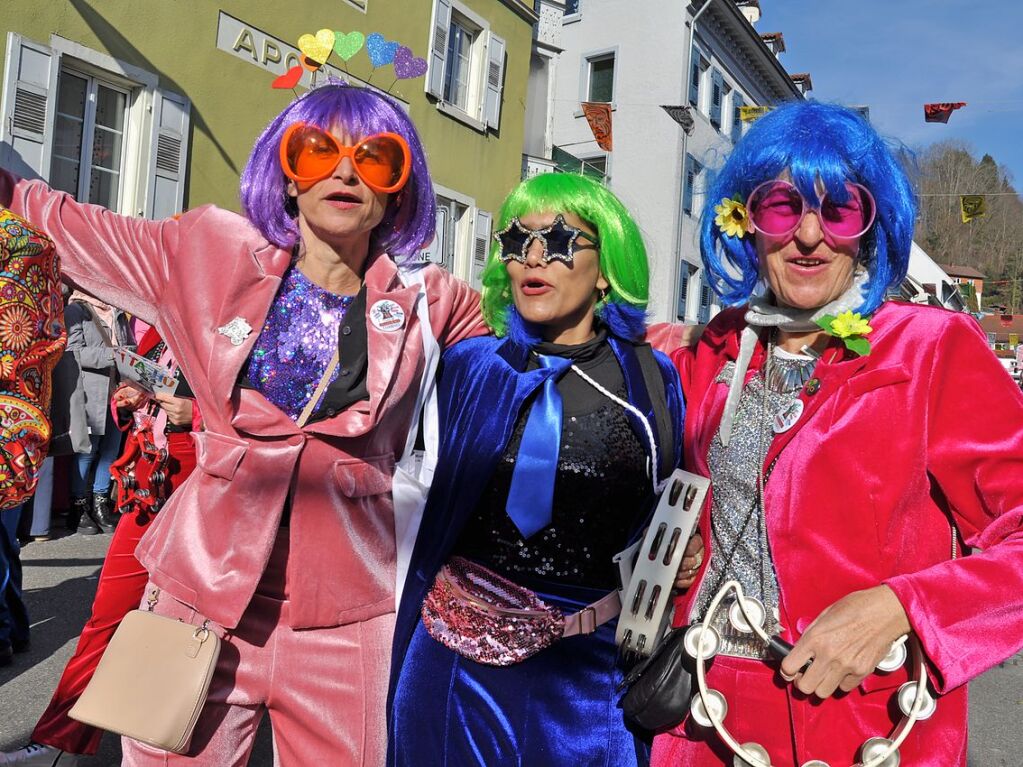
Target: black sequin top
{"x": 601, "y": 494}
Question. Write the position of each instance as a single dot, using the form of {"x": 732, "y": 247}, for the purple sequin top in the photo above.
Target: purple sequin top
{"x": 296, "y": 342}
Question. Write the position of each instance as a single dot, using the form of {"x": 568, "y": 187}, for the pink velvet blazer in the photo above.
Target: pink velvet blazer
{"x": 209, "y": 546}
{"x": 926, "y": 429}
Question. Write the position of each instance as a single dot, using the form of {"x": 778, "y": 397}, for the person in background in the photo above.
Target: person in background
{"x": 152, "y": 424}
{"x": 95, "y": 329}
{"x": 32, "y": 338}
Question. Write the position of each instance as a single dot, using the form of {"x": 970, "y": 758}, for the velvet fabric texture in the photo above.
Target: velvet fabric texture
{"x": 483, "y": 388}
{"x": 557, "y": 709}
{"x": 891, "y": 447}
{"x": 323, "y": 688}
{"x": 209, "y": 545}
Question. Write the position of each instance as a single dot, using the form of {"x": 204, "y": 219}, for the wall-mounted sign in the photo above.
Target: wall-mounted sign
{"x": 257, "y": 47}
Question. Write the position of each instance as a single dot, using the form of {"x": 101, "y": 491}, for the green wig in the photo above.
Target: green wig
{"x": 623, "y": 260}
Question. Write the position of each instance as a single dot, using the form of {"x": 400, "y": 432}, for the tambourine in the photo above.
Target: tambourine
{"x": 709, "y": 708}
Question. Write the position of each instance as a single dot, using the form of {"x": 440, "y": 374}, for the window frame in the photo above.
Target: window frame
{"x": 585, "y": 60}
{"x": 482, "y": 110}
{"x": 93, "y": 81}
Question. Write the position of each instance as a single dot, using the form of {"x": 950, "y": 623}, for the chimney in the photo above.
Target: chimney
{"x": 750, "y": 9}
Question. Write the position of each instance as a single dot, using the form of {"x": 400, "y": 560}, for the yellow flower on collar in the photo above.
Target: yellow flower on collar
{"x": 851, "y": 327}
{"x": 849, "y": 324}
{"x": 732, "y": 218}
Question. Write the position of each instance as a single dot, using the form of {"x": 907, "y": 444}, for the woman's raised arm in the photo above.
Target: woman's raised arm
{"x": 119, "y": 259}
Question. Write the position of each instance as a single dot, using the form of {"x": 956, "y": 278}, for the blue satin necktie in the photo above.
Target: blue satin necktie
{"x": 531, "y": 493}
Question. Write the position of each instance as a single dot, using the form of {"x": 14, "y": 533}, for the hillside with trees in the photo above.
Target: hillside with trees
{"x": 992, "y": 243}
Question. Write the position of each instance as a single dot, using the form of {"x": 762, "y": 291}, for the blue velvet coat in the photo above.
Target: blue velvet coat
{"x": 482, "y": 387}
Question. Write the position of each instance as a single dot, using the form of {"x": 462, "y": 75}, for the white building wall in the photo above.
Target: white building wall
{"x": 645, "y": 166}
{"x": 650, "y": 40}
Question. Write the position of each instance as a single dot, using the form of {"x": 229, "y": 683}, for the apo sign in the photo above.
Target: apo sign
{"x": 255, "y": 46}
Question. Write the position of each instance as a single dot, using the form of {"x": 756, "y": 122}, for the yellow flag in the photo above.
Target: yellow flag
{"x": 750, "y": 113}
{"x": 1013, "y": 339}
{"x": 971, "y": 206}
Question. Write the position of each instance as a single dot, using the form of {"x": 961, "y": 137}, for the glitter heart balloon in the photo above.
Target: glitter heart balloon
{"x": 407, "y": 66}
{"x": 317, "y": 47}
{"x": 380, "y": 51}
{"x": 346, "y": 46}
{"x": 289, "y": 79}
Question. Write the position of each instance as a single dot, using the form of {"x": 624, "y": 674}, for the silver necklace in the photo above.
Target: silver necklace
{"x": 787, "y": 375}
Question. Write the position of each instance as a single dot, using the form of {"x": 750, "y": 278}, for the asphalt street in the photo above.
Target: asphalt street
{"x": 60, "y": 580}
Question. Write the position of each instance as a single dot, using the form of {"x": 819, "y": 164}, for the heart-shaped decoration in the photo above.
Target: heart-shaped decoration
{"x": 309, "y": 64}
{"x": 346, "y": 46}
{"x": 380, "y": 51}
{"x": 289, "y": 79}
{"x": 407, "y": 66}
{"x": 317, "y": 47}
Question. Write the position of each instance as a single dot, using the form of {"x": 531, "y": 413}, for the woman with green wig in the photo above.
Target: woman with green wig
{"x": 557, "y": 434}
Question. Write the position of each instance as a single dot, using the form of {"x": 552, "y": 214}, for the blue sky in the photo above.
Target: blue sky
{"x": 895, "y": 55}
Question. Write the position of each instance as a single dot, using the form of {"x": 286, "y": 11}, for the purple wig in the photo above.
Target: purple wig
{"x": 411, "y": 214}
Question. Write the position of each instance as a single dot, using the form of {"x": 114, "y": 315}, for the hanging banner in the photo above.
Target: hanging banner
{"x": 971, "y": 206}
{"x": 1013, "y": 340}
{"x": 750, "y": 113}
{"x": 939, "y": 113}
{"x": 598, "y": 115}
{"x": 682, "y": 115}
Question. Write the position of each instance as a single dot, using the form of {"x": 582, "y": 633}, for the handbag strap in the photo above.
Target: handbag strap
{"x": 591, "y": 617}
{"x": 100, "y": 325}
{"x": 310, "y": 406}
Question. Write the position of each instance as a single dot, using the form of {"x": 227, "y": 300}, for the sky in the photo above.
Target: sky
{"x": 896, "y": 55}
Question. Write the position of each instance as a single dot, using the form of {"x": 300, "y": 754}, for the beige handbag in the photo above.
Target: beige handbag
{"x": 152, "y": 681}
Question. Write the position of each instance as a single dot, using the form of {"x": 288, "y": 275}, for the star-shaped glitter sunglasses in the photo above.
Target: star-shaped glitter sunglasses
{"x": 558, "y": 241}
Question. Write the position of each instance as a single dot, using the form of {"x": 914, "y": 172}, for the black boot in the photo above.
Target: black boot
{"x": 80, "y": 517}
{"x": 103, "y": 512}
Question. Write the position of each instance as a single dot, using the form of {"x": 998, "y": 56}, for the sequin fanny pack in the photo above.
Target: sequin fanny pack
{"x": 488, "y": 619}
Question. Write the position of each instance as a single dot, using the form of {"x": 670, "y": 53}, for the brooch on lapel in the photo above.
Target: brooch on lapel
{"x": 387, "y": 316}
{"x": 237, "y": 330}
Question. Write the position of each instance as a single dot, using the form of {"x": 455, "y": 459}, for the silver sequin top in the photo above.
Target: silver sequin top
{"x": 738, "y": 526}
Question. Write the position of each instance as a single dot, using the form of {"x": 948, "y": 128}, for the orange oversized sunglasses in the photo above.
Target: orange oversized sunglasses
{"x": 310, "y": 154}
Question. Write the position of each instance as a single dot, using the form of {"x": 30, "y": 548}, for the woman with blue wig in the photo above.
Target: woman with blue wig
{"x": 305, "y": 337}
{"x": 556, "y": 436}
{"x": 857, "y": 449}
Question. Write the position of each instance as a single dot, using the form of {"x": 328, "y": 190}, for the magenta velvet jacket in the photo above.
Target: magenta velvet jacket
{"x": 928, "y": 427}
{"x": 210, "y": 544}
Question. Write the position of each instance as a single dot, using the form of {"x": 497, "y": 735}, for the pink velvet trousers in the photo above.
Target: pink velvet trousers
{"x": 324, "y": 689}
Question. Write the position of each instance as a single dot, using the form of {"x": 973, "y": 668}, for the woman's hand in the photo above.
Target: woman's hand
{"x": 691, "y": 561}
{"x": 129, "y": 396}
{"x": 178, "y": 409}
{"x": 846, "y": 642}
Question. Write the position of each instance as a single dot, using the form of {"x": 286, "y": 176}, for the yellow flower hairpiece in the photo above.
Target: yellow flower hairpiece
{"x": 732, "y": 218}
{"x": 851, "y": 327}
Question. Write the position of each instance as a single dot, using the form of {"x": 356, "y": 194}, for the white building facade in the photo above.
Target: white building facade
{"x": 635, "y": 55}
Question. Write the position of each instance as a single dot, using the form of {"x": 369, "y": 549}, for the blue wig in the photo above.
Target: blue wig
{"x": 812, "y": 141}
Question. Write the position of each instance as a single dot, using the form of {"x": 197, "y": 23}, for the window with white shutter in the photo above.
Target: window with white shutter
{"x": 26, "y": 129}
{"x": 481, "y": 247}
{"x": 466, "y": 65}
{"x": 94, "y": 127}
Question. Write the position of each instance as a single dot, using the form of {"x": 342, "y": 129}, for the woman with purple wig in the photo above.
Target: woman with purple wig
{"x": 306, "y": 340}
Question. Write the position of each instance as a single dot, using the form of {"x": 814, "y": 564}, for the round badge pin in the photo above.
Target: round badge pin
{"x": 786, "y": 418}
{"x": 387, "y": 316}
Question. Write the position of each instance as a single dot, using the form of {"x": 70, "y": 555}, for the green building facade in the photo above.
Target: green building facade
{"x": 152, "y": 106}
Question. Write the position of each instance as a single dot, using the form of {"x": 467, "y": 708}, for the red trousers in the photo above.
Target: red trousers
{"x": 122, "y": 583}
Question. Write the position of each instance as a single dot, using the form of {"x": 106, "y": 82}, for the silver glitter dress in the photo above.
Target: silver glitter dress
{"x": 741, "y": 550}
